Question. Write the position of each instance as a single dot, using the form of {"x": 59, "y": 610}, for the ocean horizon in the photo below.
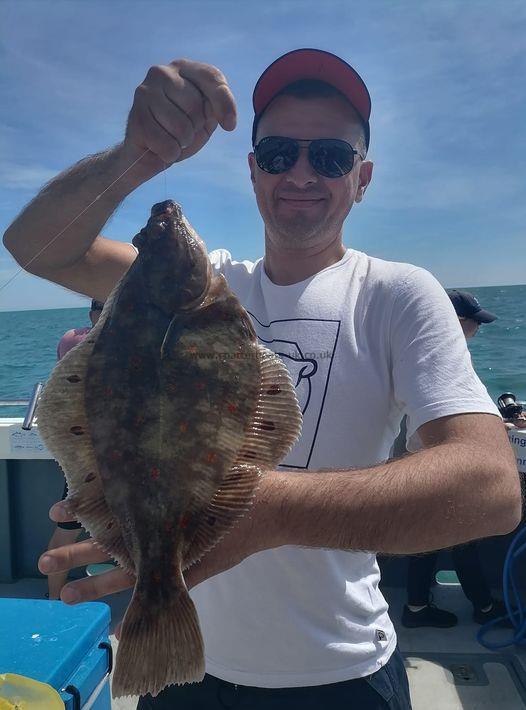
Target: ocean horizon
{"x": 29, "y": 343}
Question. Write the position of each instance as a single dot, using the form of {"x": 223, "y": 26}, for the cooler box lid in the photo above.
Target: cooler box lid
{"x": 55, "y": 643}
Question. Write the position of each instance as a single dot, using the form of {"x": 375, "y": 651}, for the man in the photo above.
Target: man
{"x": 67, "y": 532}
{"x": 76, "y": 335}
{"x": 294, "y": 616}
{"x": 469, "y": 311}
{"x": 419, "y": 611}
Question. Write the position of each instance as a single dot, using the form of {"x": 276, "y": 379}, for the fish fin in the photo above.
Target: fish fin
{"x": 63, "y": 425}
{"x": 275, "y": 426}
{"x": 161, "y": 642}
{"x": 276, "y": 423}
{"x": 229, "y": 503}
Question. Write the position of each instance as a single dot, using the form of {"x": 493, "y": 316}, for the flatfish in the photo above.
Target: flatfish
{"x": 162, "y": 420}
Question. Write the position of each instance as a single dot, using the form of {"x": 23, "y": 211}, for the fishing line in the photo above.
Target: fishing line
{"x": 24, "y": 267}
{"x": 165, "y": 185}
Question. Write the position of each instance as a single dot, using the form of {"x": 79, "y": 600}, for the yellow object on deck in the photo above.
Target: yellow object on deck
{"x": 17, "y": 692}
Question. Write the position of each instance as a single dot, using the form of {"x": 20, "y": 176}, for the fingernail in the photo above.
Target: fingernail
{"x": 69, "y": 595}
{"x": 57, "y": 513}
{"x": 230, "y": 122}
{"x": 47, "y": 564}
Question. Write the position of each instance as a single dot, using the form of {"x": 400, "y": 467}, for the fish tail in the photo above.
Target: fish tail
{"x": 161, "y": 642}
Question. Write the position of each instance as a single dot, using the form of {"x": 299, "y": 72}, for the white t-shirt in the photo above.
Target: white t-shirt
{"x": 366, "y": 341}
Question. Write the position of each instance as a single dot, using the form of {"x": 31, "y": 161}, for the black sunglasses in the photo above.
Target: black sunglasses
{"x": 330, "y": 157}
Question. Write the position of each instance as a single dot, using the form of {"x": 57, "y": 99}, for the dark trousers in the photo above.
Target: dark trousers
{"x": 468, "y": 568}
{"x": 387, "y": 689}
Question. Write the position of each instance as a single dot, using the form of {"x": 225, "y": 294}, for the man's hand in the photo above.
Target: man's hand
{"x": 177, "y": 108}
{"x": 250, "y": 534}
{"x": 62, "y": 559}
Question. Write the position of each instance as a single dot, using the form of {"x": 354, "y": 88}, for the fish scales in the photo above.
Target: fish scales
{"x": 163, "y": 420}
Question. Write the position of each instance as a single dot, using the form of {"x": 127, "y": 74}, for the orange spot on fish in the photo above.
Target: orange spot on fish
{"x": 115, "y": 455}
{"x": 211, "y": 457}
{"x": 232, "y": 408}
{"x": 168, "y": 526}
{"x": 183, "y": 523}
{"x": 183, "y": 426}
{"x": 156, "y": 576}
{"x": 108, "y": 391}
{"x": 139, "y": 419}
{"x": 200, "y": 385}
{"x": 154, "y": 473}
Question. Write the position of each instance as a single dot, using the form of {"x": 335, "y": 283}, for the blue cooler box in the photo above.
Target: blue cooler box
{"x": 64, "y": 646}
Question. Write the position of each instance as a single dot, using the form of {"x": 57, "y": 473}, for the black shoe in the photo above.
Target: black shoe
{"x": 430, "y": 615}
{"x": 498, "y": 609}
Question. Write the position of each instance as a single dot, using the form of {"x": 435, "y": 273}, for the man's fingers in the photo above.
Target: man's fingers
{"x": 100, "y": 585}
{"x": 59, "y": 513}
{"x": 183, "y": 97}
{"x": 149, "y": 131}
{"x": 214, "y": 87}
{"x": 62, "y": 559}
{"x": 177, "y": 108}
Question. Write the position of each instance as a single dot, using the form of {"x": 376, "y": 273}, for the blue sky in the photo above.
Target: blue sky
{"x": 448, "y": 120}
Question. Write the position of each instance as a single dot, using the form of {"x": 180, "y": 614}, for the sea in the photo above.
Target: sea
{"x": 28, "y": 345}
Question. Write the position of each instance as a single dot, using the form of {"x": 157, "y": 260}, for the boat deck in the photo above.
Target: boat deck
{"x": 448, "y": 669}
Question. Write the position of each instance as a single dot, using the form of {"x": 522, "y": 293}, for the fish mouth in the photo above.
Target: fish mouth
{"x": 163, "y": 215}
{"x": 167, "y": 208}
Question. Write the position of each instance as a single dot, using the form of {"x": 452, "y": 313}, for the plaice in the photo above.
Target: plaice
{"x": 163, "y": 420}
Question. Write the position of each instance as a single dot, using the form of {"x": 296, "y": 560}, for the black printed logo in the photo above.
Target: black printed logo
{"x": 306, "y": 346}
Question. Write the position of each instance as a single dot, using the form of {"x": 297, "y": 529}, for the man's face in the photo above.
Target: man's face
{"x": 469, "y": 326}
{"x": 301, "y": 208}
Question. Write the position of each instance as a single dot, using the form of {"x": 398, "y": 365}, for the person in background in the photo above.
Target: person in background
{"x": 419, "y": 610}
{"x": 68, "y": 533}
{"x": 469, "y": 311}
{"x": 76, "y": 335}
{"x": 518, "y": 422}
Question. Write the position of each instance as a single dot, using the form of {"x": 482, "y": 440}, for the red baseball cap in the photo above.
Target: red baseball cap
{"x": 312, "y": 64}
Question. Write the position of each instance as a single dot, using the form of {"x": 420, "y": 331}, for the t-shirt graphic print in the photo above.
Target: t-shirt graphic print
{"x": 307, "y": 347}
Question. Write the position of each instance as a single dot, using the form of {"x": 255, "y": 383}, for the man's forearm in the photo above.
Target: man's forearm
{"x": 435, "y": 498}
{"x": 65, "y": 198}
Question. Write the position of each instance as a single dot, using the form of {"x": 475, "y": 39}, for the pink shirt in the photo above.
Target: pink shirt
{"x": 70, "y": 339}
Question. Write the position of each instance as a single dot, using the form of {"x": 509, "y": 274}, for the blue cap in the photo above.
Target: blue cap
{"x": 467, "y": 306}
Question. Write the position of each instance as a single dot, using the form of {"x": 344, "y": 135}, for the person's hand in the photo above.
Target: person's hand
{"x": 177, "y": 108}
{"x": 62, "y": 559}
{"x": 253, "y": 533}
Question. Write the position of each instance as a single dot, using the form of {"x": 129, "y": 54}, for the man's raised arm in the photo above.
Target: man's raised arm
{"x": 175, "y": 111}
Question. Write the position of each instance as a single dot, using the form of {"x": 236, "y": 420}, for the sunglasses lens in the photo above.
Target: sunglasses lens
{"x": 331, "y": 157}
{"x": 276, "y": 155}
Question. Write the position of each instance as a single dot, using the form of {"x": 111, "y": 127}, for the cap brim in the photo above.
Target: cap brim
{"x": 312, "y": 64}
{"x": 483, "y": 316}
